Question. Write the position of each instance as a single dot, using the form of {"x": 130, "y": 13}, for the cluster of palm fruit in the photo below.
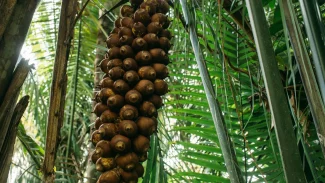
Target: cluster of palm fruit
{"x": 131, "y": 89}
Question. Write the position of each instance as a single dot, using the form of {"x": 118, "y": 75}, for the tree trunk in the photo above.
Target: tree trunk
{"x": 10, "y": 117}
{"x": 291, "y": 161}
{"x": 7, "y": 107}
{"x": 8, "y": 148}
{"x": 13, "y": 38}
{"x": 15, "y": 20}
{"x": 58, "y": 88}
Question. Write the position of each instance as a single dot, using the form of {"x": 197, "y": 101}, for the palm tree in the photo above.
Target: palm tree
{"x": 225, "y": 40}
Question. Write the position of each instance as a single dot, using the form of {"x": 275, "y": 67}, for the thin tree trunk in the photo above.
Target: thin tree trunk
{"x": 59, "y": 85}
{"x": 10, "y": 117}
{"x": 7, "y": 152}
{"x": 13, "y": 39}
{"x": 231, "y": 163}
{"x": 306, "y": 72}
{"x": 7, "y": 107}
{"x": 313, "y": 28}
{"x": 277, "y": 99}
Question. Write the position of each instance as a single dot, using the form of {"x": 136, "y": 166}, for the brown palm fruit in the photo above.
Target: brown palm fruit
{"x": 164, "y": 43}
{"x": 121, "y": 87}
{"x": 104, "y": 149}
{"x": 126, "y": 11}
{"x": 159, "y": 17}
{"x": 166, "y": 33}
{"x": 94, "y": 157}
{"x": 106, "y": 83}
{"x": 126, "y": 40}
{"x": 103, "y": 65}
{"x": 129, "y": 112}
{"x": 146, "y": 126}
{"x": 120, "y": 144}
{"x": 131, "y": 77}
{"x": 161, "y": 70}
{"x": 143, "y": 157}
{"x": 141, "y": 144}
{"x": 145, "y": 87}
{"x": 98, "y": 122}
{"x": 154, "y": 27}
{"x": 161, "y": 87}
{"x": 116, "y": 73}
{"x": 108, "y": 130}
{"x": 130, "y": 95}
{"x": 115, "y": 102}
{"x": 113, "y": 41}
{"x": 108, "y": 116}
{"x": 111, "y": 176}
{"x": 114, "y": 63}
{"x": 158, "y": 55}
{"x": 114, "y": 52}
{"x": 139, "y": 44}
{"x": 163, "y": 7}
{"x": 149, "y": 6}
{"x": 129, "y": 177}
{"x": 127, "y": 22}
{"x": 147, "y": 72}
{"x": 115, "y": 30}
{"x": 128, "y": 128}
{"x": 105, "y": 164}
{"x": 133, "y": 97}
{"x": 130, "y": 64}
{"x": 152, "y": 40}
{"x": 139, "y": 169}
{"x": 96, "y": 137}
{"x": 125, "y": 31}
{"x": 126, "y": 51}
{"x": 154, "y": 2}
{"x": 104, "y": 93}
{"x": 143, "y": 58}
{"x": 117, "y": 22}
{"x": 100, "y": 108}
{"x": 136, "y": 2}
{"x": 139, "y": 29}
{"x": 142, "y": 16}
{"x": 148, "y": 109}
{"x": 156, "y": 100}
{"x": 127, "y": 161}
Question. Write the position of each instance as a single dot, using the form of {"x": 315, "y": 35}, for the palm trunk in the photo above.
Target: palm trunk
{"x": 14, "y": 25}
{"x": 7, "y": 151}
{"x": 306, "y": 71}
{"x": 292, "y": 165}
{"x": 58, "y": 88}
{"x": 228, "y": 151}
{"x": 13, "y": 38}
{"x": 313, "y": 28}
